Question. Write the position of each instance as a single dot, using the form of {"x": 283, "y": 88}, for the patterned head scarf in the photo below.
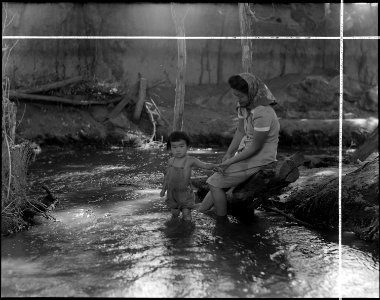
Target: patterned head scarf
{"x": 258, "y": 92}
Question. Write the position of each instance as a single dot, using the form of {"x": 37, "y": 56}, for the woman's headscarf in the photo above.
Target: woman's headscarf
{"x": 258, "y": 92}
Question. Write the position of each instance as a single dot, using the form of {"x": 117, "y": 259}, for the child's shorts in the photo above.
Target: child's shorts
{"x": 179, "y": 199}
{"x": 233, "y": 175}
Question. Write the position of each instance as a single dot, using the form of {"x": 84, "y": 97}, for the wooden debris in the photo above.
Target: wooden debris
{"x": 50, "y": 86}
{"x": 119, "y": 107}
{"x": 289, "y": 216}
{"x": 18, "y": 95}
{"x": 40, "y": 207}
{"x": 150, "y": 110}
{"x": 141, "y": 100}
{"x": 155, "y": 116}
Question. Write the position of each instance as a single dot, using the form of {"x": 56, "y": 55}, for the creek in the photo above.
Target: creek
{"x": 113, "y": 237}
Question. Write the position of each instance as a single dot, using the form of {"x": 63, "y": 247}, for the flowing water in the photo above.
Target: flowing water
{"x": 113, "y": 237}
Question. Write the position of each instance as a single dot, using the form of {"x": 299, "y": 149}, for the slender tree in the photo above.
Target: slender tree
{"x": 179, "y": 13}
{"x": 219, "y": 71}
{"x": 247, "y": 18}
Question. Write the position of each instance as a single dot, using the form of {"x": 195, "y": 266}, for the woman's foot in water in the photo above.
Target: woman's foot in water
{"x": 198, "y": 207}
{"x": 222, "y": 220}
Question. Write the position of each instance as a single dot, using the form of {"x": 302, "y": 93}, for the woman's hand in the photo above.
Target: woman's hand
{"x": 224, "y": 165}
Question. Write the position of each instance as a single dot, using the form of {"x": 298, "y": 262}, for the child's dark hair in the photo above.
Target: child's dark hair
{"x": 176, "y": 136}
{"x": 238, "y": 83}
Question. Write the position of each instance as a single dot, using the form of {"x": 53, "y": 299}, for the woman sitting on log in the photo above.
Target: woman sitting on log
{"x": 254, "y": 143}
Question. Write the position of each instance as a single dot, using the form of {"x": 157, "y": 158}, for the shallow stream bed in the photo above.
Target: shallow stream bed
{"x": 113, "y": 238}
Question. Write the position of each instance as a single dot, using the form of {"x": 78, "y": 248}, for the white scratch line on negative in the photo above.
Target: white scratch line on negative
{"x": 36, "y": 37}
{"x": 340, "y": 151}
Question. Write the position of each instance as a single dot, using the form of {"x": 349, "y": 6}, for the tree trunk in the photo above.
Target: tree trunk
{"x": 246, "y": 19}
{"x": 179, "y": 14}
{"x": 219, "y": 71}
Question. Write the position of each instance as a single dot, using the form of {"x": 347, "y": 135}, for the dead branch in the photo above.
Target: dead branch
{"x": 289, "y": 216}
{"x": 18, "y": 95}
{"x": 160, "y": 116}
{"x": 150, "y": 109}
{"x": 157, "y": 83}
{"x": 51, "y": 86}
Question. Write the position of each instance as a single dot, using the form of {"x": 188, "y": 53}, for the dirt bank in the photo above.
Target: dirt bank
{"x": 209, "y": 117}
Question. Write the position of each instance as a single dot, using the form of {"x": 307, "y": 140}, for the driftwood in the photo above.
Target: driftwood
{"x": 18, "y": 95}
{"x": 40, "y": 207}
{"x": 150, "y": 110}
{"x": 161, "y": 119}
{"x": 119, "y": 107}
{"x": 266, "y": 183}
{"x": 155, "y": 116}
{"x": 50, "y": 86}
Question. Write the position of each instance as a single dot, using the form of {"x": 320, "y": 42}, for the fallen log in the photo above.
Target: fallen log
{"x": 268, "y": 182}
{"x": 18, "y": 95}
{"x": 50, "y": 86}
{"x": 127, "y": 98}
{"x": 318, "y": 202}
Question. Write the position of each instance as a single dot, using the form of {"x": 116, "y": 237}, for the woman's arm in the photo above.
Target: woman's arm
{"x": 234, "y": 145}
{"x": 259, "y": 138}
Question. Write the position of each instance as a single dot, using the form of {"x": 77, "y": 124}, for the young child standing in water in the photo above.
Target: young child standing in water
{"x": 177, "y": 184}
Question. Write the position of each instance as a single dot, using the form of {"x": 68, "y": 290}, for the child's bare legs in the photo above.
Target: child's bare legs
{"x": 186, "y": 214}
{"x": 175, "y": 213}
{"x": 206, "y": 204}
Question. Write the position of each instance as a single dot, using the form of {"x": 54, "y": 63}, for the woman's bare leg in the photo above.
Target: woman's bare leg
{"x": 220, "y": 200}
{"x": 206, "y": 204}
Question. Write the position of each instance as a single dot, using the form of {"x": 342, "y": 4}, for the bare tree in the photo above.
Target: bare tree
{"x": 179, "y": 13}
{"x": 247, "y": 17}
{"x": 219, "y": 72}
